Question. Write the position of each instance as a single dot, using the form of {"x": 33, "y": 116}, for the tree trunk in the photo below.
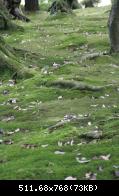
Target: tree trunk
{"x": 8, "y": 59}
{"x": 62, "y": 6}
{"x": 31, "y": 5}
{"x": 89, "y": 4}
{"x": 114, "y": 27}
{"x": 13, "y": 7}
{"x": 5, "y": 23}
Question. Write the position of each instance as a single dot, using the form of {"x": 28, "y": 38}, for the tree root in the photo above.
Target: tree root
{"x": 77, "y": 85}
{"x": 64, "y": 122}
{"x": 57, "y": 125}
{"x": 94, "y": 55}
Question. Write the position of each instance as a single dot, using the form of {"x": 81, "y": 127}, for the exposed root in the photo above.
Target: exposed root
{"x": 94, "y": 55}
{"x": 56, "y": 126}
{"x": 77, "y": 85}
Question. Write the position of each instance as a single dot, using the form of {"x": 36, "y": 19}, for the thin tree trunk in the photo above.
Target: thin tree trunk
{"x": 114, "y": 27}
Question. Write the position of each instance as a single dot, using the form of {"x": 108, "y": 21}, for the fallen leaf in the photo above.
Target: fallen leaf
{"x": 8, "y": 119}
{"x": 82, "y": 160}
{"x": 102, "y": 97}
{"x": 29, "y": 146}
{"x": 103, "y": 106}
{"x": 72, "y": 142}
{"x": 1, "y": 141}
{"x": 55, "y": 65}
{"x": 59, "y": 152}
{"x": 17, "y": 108}
{"x": 60, "y": 143}
{"x": 90, "y": 176}
{"x": 60, "y": 97}
{"x": 44, "y": 145}
{"x": 9, "y": 133}
{"x": 116, "y": 166}
{"x": 17, "y": 130}
{"x": 89, "y": 123}
{"x": 8, "y": 142}
{"x": 105, "y": 157}
{"x": 95, "y": 158}
{"x": 100, "y": 168}
{"x": 70, "y": 178}
{"x": 79, "y": 154}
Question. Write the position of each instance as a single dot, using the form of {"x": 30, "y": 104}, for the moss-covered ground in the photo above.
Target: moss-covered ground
{"x": 53, "y": 48}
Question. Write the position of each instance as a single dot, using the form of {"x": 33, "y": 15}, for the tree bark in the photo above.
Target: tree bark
{"x": 31, "y": 5}
{"x": 4, "y": 18}
{"x": 90, "y": 3}
{"x": 13, "y": 7}
{"x": 62, "y": 6}
{"x": 8, "y": 56}
{"x": 114, "y": 27}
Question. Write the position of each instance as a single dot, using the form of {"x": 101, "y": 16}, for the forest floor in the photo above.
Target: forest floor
{"x": 63, "y": 121}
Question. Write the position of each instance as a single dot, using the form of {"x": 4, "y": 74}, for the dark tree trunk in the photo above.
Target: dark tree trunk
{"x": 13, "y": 7}
{"x": 31, "y": 5}
{"x": 114, "y": 26}
{"x": 89, "y": 4}
{"x": 63, "y": 6}
{"x": 8, "y": 59}
{"x": 7, "y": 56}
{"x": 4, "y": 18}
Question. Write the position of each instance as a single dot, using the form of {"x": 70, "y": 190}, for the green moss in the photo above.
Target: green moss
{"x": 62, "y": 41}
